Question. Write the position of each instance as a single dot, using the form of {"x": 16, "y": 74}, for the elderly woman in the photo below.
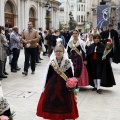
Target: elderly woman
{"x": 3, "y": 42}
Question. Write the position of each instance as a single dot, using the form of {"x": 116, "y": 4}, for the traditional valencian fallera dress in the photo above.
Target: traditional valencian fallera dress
{"x": 56, "y": 101}
{"x": 76, "y": 53}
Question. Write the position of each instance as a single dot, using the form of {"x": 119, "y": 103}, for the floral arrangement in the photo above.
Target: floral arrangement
{"x": 4, "y": 117}
{"x": 71, "y": 83}
{"x": 7, "y": 118}
{"x": 108, "y": 48}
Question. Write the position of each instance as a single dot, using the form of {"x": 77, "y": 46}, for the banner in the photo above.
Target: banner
{"x": 102, "y": 16}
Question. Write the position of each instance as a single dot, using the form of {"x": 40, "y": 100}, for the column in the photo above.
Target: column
{"x": 26, "y": 13}
{"x": 22, "y": 15}
{"x": 38, "y": 14}
{"x": 19, "y": 20}
{"x": 2, "y": 19}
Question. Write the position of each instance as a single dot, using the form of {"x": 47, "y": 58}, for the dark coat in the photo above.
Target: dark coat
{"x": 115, "y": 53}
{"x": 107, "y": 77}
{"x": 66, "y": 36}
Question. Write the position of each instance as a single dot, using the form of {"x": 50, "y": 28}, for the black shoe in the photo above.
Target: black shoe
{"x": 38, "y": 62}
{"x": 5, "y": 73}
{"x": 94, "y": 89}
{"x": 3, "y": 76}
{"x": 13, "y": 70}
{"x": 18, "y": 69}
{"x": 33, "y": 72}
{"x": 0, "y": 78}
{"x": 25, "y": 73}
{"x": 99, "y": 91}
{"x": 40, "y": 58}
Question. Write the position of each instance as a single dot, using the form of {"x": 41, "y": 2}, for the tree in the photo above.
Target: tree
{"x": 72, "y": 24}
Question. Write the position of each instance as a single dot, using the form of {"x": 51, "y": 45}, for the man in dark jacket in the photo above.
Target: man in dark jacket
{"x": 66, "y": 35}
{"x": 113, "y": 34}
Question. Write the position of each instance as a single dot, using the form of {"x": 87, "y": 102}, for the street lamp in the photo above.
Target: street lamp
{"x": 48, "y": 17}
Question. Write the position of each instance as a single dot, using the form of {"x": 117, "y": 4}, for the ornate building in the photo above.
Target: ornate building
{"x": 81, "y": 10}
{"x": 19, "y": 12}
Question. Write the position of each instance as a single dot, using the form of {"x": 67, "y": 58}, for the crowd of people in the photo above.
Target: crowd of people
{"x": 85, "y": 56}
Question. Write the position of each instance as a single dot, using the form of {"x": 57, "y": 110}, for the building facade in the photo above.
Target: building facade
{"x": 64, "y": 13}
{"x": 19, "y": 12}
{"x": 81, "y": 10}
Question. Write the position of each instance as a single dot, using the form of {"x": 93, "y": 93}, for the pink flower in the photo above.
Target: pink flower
{"x": 4, "y": 117}
{"x": 71, "y": 82}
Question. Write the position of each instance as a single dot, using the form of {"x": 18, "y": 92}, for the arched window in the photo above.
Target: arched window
{"x": 9, "y": 15}
{"x": 32, "y": 13}
{"x": 8, "y": 7}
{"x": 32, "y": 16}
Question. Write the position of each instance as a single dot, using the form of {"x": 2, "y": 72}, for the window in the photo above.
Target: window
{"x": 81, "y": 7}
{"x": 62, "y": 9}
{"x": 8, "y": 7}
{"x": 72, "y": 8}
{"x": 81, "y": 18}
{"x": 61, "y": 0}
{"x": 32, "y": 13}
{"x": 78, "y": 1}
{"x": 61, "y": 18}
{"x": 78, "y": 18}
{"x": 78, "y": 7}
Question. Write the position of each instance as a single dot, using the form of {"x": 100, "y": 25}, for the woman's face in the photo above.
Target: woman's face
{"x": 59, "y": 52}
{"x": 96, "y": 40}
{"x": 95, "y": 30}
{"x": 75, "y": 34}
{"x": 90, "y": 37}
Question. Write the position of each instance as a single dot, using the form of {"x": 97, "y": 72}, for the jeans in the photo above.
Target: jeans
{"x": 30, "y": 53}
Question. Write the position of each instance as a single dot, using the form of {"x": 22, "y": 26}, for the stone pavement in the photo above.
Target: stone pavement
{"x": 23, "y": 94}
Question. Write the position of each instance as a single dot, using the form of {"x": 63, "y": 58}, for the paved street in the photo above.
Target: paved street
{"x": 23, "y": 94}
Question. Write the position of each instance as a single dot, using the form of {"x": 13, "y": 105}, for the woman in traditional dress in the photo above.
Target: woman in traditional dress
{"x": 89, "y": 40}
{"x": 76, "y": 51}
{"x": 56, "y": 101}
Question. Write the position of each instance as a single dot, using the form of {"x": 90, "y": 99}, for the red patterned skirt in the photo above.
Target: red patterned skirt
{"x": 56, "y": 102}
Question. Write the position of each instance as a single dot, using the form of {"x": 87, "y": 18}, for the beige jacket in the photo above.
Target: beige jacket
{"x": 31, "y": 35}
{"x": 2, "y": 41}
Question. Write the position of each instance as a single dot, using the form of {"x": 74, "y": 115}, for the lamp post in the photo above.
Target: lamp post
{"x": 48, "y": 17}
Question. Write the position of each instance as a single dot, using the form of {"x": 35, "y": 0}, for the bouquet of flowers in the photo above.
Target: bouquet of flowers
{"x": 72, "y": 83}
{"x": 108, "y": 48}
{"x": 4, "y": 117}
{"x": 7, "y": 118}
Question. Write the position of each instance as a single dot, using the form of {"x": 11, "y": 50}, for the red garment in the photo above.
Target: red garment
{"x": 52, "y": 116}
{"x": 84, "y": 79}
{"x": 94, "y": 56}
{"x": 57, "y": 102}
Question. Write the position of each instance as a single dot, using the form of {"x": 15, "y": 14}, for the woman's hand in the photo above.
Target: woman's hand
{"x": 85, "y": 62}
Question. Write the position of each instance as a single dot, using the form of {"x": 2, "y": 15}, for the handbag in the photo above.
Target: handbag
{"x": 43, "y": 48}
